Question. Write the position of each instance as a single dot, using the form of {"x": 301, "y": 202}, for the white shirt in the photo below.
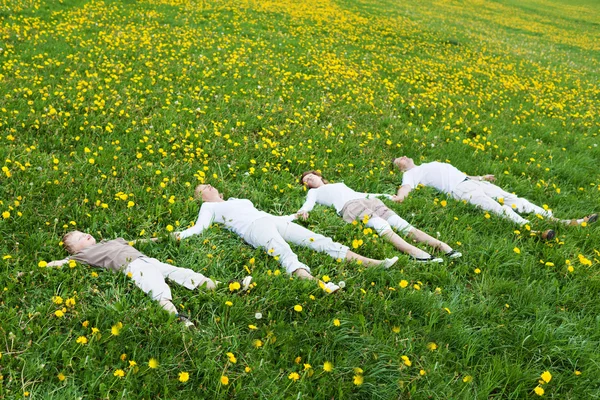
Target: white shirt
{"x": 236, "y": 214}
{"x": 442, "y": 176}
{"x": 334, "y": 194}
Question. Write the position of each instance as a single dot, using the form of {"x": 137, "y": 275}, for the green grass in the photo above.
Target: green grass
{"x": 246, "y": 95}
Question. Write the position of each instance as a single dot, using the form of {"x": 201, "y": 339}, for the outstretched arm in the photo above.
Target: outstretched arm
{"x": 402, "y": 194}
{"x": 205, "y": 218}
{"x": 134, "y": 242}
{"x": 58, "y": 263}
{"x": 309, "y": 204}
{"x": 489, "y": 178}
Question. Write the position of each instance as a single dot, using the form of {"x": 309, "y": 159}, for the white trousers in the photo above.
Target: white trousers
{"x": 382, "y": 226}
{"x": 485, "y": 194}
{"x": 149, "y": 275}
{"x": 273, "y": 233}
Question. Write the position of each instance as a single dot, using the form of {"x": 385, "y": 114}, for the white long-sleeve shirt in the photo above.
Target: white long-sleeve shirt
{"x": 334, "y": 194}
{"x": 237, "y": 215}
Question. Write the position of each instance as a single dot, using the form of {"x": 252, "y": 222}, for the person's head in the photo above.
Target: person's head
{"x": 75, "y": 241}
{"x": 404, "y": 163}
{"x": 312, "y": 179}
{"x": 207, "y": 193}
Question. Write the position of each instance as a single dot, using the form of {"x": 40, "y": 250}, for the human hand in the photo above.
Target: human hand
{"x": 397, "y": 199}
{"x": 57, "y": 263}
{"x": 303, "y": 215}
{"x": 489, "y": 178}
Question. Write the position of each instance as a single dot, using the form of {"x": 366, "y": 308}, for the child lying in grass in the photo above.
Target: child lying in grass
{"x": 263, "y": 230}
{"x": 148, "y": 273}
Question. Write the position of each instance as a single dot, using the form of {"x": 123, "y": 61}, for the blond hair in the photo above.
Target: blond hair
{"x": 198, "y": 192}
{"x": 66, "y": 239}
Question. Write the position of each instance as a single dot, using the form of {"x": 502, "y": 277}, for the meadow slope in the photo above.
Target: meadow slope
{"x": 111, "y": 112}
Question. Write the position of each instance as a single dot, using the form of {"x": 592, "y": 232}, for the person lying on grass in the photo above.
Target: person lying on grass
{"x": 477, "y": 190}
{"x": 263, "y": 230}
{"x": 147, "y": 273}
{"x": 353, "y": 205}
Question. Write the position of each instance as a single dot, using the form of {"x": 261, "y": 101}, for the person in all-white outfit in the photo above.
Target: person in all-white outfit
{"x": 477, "y": 190}
{"x": 263, "y": 230}
{"x": 147, "y": 273}
{"x": 352, "y": 205}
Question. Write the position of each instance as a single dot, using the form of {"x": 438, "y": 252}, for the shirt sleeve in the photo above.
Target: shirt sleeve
{"x": 311, "y": 199}
{"x": 79, "y": 258}
{"x": 372, "y": 195}
{"x": 205, "y": 218}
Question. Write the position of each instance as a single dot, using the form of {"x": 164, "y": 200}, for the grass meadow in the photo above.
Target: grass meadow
{"x": 111, "y": 112}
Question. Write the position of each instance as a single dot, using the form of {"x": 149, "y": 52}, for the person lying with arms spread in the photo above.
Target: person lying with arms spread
{"x": 477, "y": 190}
{"x": 147, "y": 273}
{"x": 263, "y": 230}
{"x": 352, "y": 205}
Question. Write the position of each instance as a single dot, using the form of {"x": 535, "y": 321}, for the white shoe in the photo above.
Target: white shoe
{"x": 185, "y": 321}
{"x": 209, "y": 284}
{"x": 329, "y": 287}
{"x": 246, "y": 283}
{"x": 429, "y": 259}
{"x": 453, "y": 254}
{"x": 388, "y": 262}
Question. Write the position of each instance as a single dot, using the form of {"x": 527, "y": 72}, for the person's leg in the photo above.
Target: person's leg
{"x": 183, "y": 276}
{"x": 148, "y": 278}
{"x": 471, "y": 192}
{"x": 512, "y": 200}
{"x": 264, "y": 234}
{"x": 384, "y": 230}
{"x": 402, "y": 226}
{"x": 422, "y": 237}
{"x": 301, "y": 236}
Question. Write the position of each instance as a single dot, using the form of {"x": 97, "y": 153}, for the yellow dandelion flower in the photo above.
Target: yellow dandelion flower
{"x": 539, "y": 390}
{"x": 546, "y": 376}
{"x": 82, "y": 340}
{"x": 119, "y": 372}
{"x": 358, "y": 380}
{"x": 327, "y": 366}
{"x": 298, "y": 308}
{"x": 406, "y": 361}
{"x": 153, "y": 363}
{"x": 336, "y": 322}
{"x": 224, "y": 380}
{"x": 231, "y": 358}
{"x": 294, "y": 376}
{"x": 183, "y": 377}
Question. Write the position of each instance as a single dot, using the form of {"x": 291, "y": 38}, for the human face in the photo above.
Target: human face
{"x": 404, "y": 163}
{"x": 209, "y": 193}
{"x": 312, "y": 181}
{"x": 80, "y": 241}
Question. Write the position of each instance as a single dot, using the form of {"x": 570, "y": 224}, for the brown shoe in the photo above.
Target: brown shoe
{"x": 587, "y": 219}
{"x": 548, "y": 234}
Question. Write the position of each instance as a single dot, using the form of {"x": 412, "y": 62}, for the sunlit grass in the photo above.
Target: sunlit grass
{"x": 111, "y": 112}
